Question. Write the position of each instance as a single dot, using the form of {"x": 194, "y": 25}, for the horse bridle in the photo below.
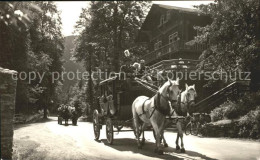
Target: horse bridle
{"x": 168, "y": 92}
{"x": 166, "y": 98}
{"x": 188, "y": 102}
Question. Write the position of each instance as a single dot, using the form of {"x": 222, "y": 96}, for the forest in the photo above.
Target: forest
{"x": 31, "y": 41}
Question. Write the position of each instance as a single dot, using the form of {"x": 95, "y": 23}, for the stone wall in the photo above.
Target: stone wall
{"x": 7, "y": 105}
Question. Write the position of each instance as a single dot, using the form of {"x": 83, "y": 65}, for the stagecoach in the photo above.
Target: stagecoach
{"x": 113, "y": 107}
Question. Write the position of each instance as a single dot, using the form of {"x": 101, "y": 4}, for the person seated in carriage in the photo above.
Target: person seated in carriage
{"x": 128, "y": 70}
{"x": 142, "y": 71}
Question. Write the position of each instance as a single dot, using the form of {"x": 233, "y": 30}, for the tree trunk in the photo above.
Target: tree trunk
{"x": 90, "y": 83}
{"x": 45, "y": 112}
{"x": 116, "y": 41}
{"x": 255, "y": 68}
{"x": 45, "y": 107}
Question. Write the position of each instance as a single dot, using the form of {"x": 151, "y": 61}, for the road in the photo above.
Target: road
{"x": 48, "y": 140}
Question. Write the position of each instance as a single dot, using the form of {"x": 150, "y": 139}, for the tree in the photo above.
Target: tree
{"x": 85, "y": 51}
{"x": 47, "y": 46}
{"x": 15, "y": 18}
{"x": 105, "y": 30}
{"x": 31, "y": 40}
{"x": 114, "y": 25}
{"x": 232, "y": 35}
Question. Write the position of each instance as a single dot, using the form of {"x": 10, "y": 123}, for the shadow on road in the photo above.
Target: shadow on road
{"x": 127, "y": 144}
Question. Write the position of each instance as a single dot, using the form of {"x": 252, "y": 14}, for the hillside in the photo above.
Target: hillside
{"x": 69, "y": 65}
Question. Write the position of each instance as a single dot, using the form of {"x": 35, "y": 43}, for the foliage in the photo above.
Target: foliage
{"x": 113, "y": 25}
{"x": 17, "y": 14}
{"x": 235, "y": 109}
{"x": 218, "y": 113}
{"x": 31, "y": 41}
{"x": 46, "y": 51}
{"x": 105, "y": 30}
{"x": 231, "y": 36}
{"x": 249, "y": 124}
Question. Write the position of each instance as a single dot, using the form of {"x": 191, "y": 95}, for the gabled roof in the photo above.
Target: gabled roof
{"x": 153, "y": 15}
{"x": 179, "y": 8}
{"x": 174, "y": 8}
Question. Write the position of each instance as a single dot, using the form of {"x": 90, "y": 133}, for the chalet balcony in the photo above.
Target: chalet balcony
{"x": 171, "y": 48}
{"x": 176, "y": 64}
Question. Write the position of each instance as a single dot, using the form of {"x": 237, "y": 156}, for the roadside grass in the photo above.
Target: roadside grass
{"x": 27, "y": 149}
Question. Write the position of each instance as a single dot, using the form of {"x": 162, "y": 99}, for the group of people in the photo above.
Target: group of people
{"x": 137, "y": 69}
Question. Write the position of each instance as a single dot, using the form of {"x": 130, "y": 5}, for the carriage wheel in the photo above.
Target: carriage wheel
{"x": 96, "y": 125}
{"x": 109, "y": 131}
{"x": 193, "y": 129}
{"x": 188, "y": 129}
{"x": 198, "y": 127}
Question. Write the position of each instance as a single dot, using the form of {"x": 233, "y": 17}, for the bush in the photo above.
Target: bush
{"x": 235, "y": 109}
{"x": 228, "y": 110}
{"x": 217, "y": 114}
{"x": 249, "y": 124}
{"x": 249, "y": 102}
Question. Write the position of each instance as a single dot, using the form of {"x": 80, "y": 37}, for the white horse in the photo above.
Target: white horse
{"x": 186, "y": 103}
{"x": 152, "y": 111}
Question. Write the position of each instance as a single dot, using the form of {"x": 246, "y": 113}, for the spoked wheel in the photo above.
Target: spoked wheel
{"x": 198, "y": 126}
{"x": 96, "y": 124}
{"x": 188, "y": 129}
{"x": 109, "y": 131}
{"x": 194, "y": 129}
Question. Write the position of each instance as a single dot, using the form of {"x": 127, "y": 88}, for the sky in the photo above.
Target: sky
{"x": 70, "y": 11}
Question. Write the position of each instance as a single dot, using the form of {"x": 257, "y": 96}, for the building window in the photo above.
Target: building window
{"x": 168, "y": 15}
{"x": 157, "y": 45}
{"x": 162, "y": 20}
{"x": 173, "y": 37}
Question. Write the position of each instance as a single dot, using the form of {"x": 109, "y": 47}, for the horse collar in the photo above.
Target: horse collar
{"x": 157, "y": 103}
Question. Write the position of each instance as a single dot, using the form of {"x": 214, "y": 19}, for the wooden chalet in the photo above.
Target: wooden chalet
{"x": 167, "y": 29}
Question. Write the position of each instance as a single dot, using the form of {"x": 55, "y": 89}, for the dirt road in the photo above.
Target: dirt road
{"x": 48, "y": 140}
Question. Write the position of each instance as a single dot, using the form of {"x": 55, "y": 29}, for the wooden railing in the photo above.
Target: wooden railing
{"x": 171, "y": 48}
{"x": 233, "y": 90}
{"x": 176, "y": 64}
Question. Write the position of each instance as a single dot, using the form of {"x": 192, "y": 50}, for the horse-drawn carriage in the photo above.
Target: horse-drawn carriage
{"x": 114, "y": 105}
{"x": 138, "y": 104}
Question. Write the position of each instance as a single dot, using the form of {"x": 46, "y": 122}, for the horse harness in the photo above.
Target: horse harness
{"x": 157, "y": 105}
{"x": 178, "y": 108}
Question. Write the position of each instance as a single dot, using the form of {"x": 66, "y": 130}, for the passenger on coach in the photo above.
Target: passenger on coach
{"x": 128, "y": 69}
